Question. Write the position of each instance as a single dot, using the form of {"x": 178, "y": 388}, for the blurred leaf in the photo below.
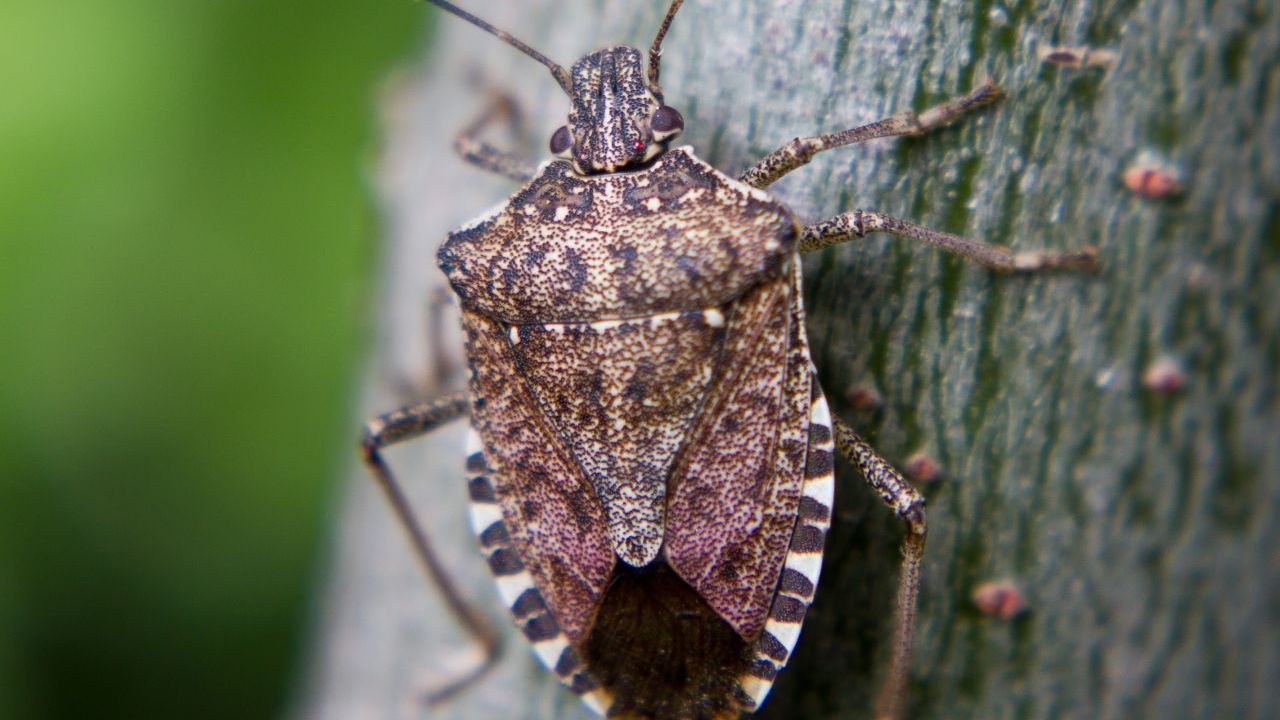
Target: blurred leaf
{"x": 184, "y": 243}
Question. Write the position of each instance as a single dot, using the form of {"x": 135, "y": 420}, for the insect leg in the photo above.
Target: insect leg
{"x": 859, "y": 223}
{"x": 442, "y": 366}
{"x": 485, "y": 156}
{"x": 800, "y": 151}
{"x": 908, "y": 504}
{"x": 407, "y": 424}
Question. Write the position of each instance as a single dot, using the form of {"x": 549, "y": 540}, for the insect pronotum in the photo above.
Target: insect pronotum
{"x": 651, "y": 456}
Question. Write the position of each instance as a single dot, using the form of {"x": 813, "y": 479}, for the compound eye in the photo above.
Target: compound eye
{"x": 667, "y": 121}
{"x": 561, "y": 141}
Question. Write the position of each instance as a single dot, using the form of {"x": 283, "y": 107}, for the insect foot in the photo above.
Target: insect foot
{"x": 651, "y": 454}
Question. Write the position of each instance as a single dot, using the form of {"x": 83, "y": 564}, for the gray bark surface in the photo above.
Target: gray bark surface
{"x": 1143, "y": 527}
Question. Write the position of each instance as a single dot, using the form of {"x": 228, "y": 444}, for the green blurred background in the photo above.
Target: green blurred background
{"x": 186, "y": 245}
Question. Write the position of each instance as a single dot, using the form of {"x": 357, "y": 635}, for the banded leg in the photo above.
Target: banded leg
{"x": 485, "y": 156}
{"x": 406, "y": 424}
{"x": 800, "y": 151}
{"x": 908, "y": 504}
{"x": 859, "y": 223}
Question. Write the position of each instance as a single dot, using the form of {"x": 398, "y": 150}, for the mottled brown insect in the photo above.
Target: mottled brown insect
{"x": 651, "y": 453}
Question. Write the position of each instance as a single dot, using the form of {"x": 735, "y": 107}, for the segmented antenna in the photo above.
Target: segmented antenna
{"x": 655, "y": 52}
{"x": 560, "y": 74}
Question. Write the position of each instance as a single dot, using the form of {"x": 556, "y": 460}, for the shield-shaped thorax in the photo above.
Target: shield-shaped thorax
{"x": 675, "y": 236}
{"x": 596, "y": 310}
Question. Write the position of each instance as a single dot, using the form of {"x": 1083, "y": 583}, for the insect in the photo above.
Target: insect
{"x": 651, "y": 454}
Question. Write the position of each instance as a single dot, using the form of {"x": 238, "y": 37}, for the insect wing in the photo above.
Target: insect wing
{"x": 623, "y": 395}
{"x": 554, "y": 521}
{"x": 751, "y": 498}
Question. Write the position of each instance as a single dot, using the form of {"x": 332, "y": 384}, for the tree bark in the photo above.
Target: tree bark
{"x": 1141, "y": 525}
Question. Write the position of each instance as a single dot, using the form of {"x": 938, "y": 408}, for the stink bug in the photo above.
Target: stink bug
{"x": 651, "y": 456}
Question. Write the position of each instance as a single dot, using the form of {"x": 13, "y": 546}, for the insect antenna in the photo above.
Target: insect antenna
{"x": 655, "y": 52}
{"x": 559, "y": 73}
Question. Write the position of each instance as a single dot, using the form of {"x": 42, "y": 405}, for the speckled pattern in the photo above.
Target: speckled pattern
{"x": 799, "y": 581}
{"x": 674, "y": 236}
{"x": 735, "y": 494}
{"x": 648, "y": 398}
{"x": 622, "y": 396}
{"x": 604, "y": 114}
{"x": 550, "y": 507}
{"x": 517, "y": 586}
{"x": 650, "y": 469}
